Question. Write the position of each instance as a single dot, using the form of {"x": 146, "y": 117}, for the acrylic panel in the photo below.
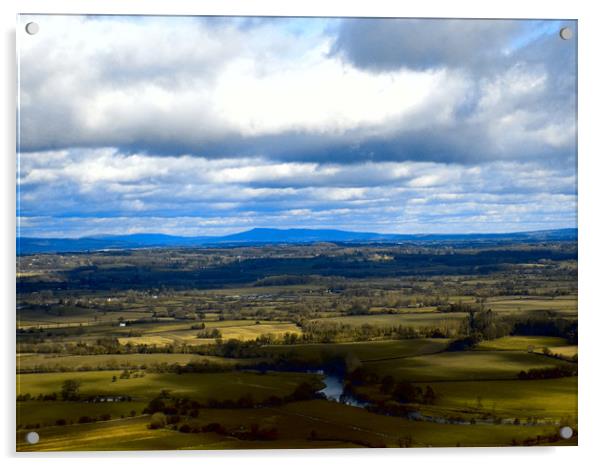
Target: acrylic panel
{"x": 295, "y": 232}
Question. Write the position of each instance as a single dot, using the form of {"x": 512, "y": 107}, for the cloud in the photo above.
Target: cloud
{"x": 225, "y": 195}
{"x": 212, "y": 125}
{"x": 348, "y": 90}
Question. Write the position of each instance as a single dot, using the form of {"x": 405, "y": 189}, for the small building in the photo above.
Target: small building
{"x": 122, "y": 324}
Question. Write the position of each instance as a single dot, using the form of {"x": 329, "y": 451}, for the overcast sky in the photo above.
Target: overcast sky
{"x": 207, "y": 126}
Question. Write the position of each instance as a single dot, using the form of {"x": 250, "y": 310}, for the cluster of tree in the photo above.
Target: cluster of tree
{"x": 460, "y": 307}
{"x": 127, "y": 374}
{"x": 488, "y": 325}
{"x": 254, "y": 432}
{"x": 463, "y": 344}
{"x": 405, "y": 392}
{"x": 40, "y": 397}
{"x": 548, "y": 326}
{"x": 400, "y": 391}
{"x": 169, "y": 405}
{"x": 333, "y": 332}
{"x": 549, "y": 372}
{"x": 286, "y": 280}
{"x": 70, "y": 390}
{"x": 199, "y": 367}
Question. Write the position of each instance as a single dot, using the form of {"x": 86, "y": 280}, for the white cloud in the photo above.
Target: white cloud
{"x": 202, "y": 126}
{"x": 197, "y": 85}
{"x": 387, "y": 196}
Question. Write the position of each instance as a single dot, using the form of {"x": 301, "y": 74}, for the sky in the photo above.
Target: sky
{"x": 209, "y": 126}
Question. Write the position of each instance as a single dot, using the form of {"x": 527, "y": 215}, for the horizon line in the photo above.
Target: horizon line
{"x": 94, "y": 236}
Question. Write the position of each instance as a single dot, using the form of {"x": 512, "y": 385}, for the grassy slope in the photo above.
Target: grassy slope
{"x": 520, "y": 343}
{"x": 550, "y": 398}
{"x": 474, "y": 365}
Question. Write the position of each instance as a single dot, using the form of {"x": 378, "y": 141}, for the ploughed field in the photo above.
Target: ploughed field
{"x": 244, "y": 347}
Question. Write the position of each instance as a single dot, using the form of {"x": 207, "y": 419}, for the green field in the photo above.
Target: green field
{"x": 365, "y": 351}
{"x": 475, "y": 365}
{"x": 201, "y": 387}
{"x": 44, "y": 413}
{"x": 520, "y": 343}
{"x": 544, "y": 399}
{"x": 52, "y": 362}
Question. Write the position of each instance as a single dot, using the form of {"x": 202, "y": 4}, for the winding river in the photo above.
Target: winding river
{"x": 335, "y": 391}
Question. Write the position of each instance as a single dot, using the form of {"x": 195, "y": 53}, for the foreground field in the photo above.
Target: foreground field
{"x": 312, "y": 424}
{"x": 551, "y": 399}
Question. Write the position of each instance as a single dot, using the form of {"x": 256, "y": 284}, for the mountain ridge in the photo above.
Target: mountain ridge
{"x": 31, "y": 245}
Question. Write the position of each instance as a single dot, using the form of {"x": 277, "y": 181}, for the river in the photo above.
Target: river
{"x": 335, "y": 391}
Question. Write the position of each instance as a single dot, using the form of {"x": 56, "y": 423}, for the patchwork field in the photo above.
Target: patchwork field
{"x": 298, "y": 346}
{"x": 170, "y": 333}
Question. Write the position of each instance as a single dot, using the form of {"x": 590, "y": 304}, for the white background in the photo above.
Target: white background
{"x": 590, "y": 201}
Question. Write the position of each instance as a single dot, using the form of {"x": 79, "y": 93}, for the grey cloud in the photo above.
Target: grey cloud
{"x": 387, "y": 44}
{"x": 149, "y": 85}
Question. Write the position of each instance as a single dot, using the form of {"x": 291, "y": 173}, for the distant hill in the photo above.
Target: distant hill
{"x": 27, "y": 245}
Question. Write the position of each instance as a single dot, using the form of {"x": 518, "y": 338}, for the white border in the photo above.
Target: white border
{"x": 590, "y": 260}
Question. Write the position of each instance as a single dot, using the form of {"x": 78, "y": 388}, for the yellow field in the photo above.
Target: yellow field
{"x": 166, "y": 333}
{"x": 250, "y": 332}
{"x": 567, "y": 351}
{"x": 146, "y": 340}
